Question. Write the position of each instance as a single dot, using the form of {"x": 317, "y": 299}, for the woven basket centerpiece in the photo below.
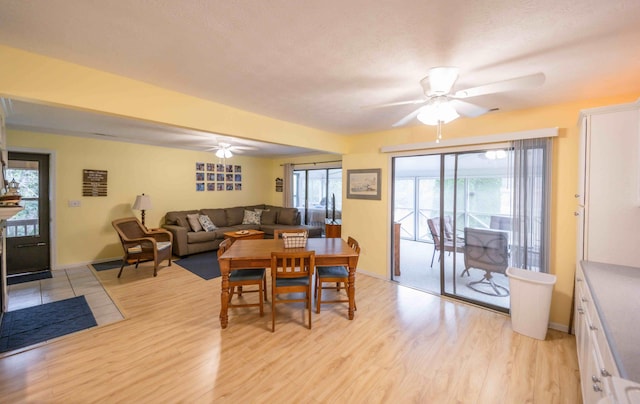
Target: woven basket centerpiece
{"x": 294, "y": 240}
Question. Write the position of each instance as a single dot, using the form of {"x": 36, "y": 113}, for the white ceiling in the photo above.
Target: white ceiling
{"x": 317, "y": 63}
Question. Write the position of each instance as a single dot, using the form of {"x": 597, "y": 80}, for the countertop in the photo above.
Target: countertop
{"x": 616, "y": 294}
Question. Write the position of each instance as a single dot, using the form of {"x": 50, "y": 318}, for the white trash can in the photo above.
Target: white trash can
{"x": 530, "y": 301}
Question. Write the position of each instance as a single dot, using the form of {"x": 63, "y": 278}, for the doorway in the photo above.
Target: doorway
{"x": 27, "y": 233}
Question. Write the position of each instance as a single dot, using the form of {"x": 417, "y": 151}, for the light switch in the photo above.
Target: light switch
{"x": 74, "y": 204}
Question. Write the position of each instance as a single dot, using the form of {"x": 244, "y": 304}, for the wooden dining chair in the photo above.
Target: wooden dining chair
{"x": 291, "y": 272}
{"x": 245, "y": 277}
{"x": 277, "y": 233}
{"x": 335, "y": 274}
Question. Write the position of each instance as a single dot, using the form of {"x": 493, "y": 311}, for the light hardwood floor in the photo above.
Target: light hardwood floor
{"x": 402, "y": 346}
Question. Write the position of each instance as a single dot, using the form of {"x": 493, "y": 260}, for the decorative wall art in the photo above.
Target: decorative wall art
{"x": 364, "y": 184}
{"x": 218, "y": 177}
{"x": 94, "y": 183}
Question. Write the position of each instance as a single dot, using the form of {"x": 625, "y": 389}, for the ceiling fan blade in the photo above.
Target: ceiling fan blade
{"x": 468, "y": 109}
{"x": 440, "y": 80}
{"x": 517, "y": 83}
{"x": 407, "y": 118}
{"x": 241, "y": 148}
{"x": 393, "y": 104}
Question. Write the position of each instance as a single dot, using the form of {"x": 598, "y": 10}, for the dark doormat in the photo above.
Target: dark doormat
{"x": 31, "y": 276}
{"x": 24, "y": 327}
{"x": 103, "y": 266}
{"x": 205, "y": 264}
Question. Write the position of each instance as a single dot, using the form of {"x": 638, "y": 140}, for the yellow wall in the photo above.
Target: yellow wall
{"x": 84, "y": 234}
{"x": 36, "y": 78}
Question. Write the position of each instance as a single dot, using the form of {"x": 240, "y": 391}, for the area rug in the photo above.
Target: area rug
{"x": 30, "y": 277}
{"x": 24, "y": 327}
{"x": 103, "y": 266}
{"x": 205, "y": 264}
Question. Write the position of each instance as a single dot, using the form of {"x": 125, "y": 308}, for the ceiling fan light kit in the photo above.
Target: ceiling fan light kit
{"x": 224, "y": 153}
{"x": 442, "y": 105}
{"x": 440, "y": 110}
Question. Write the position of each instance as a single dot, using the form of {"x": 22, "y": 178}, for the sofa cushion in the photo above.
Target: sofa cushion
{"x": 194, "y": 222}
{"x": 251, "y": 217}
{"x": 234, "y": 215}
{"x": 172, "y": 217}
{"x": 287, "y": 216}
{"x": 206, "y": 223}
{"x": 268, "y": 216}
{"x": 201, "y": 236}
{"x": 182, "y": 222}
{"x": 217, "y": 216}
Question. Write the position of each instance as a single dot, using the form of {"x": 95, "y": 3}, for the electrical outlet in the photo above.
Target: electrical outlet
{"x": 74, "y": 204}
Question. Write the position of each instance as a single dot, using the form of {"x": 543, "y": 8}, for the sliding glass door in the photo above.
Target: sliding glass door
{"x": 466, "y": 216}
{"x": 318, "y": 195}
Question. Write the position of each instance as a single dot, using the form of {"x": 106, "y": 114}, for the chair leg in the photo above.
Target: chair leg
{"x": 124, "y": 262}
{"x": 465, "y": 270}
{"x": 309, "y": 303}
{"x": 273, "y": 308}
{"x": 264, "y": 288}
{"x": 260, "y": 292}
{"x": 433, "y": 255}
{"x": 318, "y": 295}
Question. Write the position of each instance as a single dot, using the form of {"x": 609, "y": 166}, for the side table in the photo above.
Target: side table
{"x": 333, "y": 228}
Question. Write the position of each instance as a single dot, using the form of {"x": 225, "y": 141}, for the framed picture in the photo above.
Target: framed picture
{"x": 199, "y": 166}
{"x": 199, "y": 186}
{"x": 364, "y": 184}
{"x": 211, "y": 186}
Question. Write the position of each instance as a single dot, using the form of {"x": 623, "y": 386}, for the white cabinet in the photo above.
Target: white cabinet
{"x": 608, "y": 219}
{"x": 594, "y": 355}
{"x": 609, "y": 185}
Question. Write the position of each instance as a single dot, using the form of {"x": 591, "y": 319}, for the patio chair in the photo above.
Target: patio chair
{"x": 448, "y": 244}
{"x": 486, "y": 249}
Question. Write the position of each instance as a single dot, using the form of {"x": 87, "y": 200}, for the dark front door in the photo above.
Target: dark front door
{"x": 28, "y": 232}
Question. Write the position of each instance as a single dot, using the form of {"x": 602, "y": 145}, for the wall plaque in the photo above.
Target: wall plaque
{"x": 94, "y": 183}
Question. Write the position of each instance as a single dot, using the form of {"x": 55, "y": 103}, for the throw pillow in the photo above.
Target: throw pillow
{"x": 268, "y": 217}
{"x": 206, "y": 223}
{"x": 194, "y": 222}
{"x": 251, "y": 217}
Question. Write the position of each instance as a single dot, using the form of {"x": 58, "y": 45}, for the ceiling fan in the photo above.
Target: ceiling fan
{"x": 226, "y": 150}
{"x": 442, "y": 105}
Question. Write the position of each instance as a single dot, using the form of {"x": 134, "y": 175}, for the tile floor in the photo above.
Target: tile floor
{"x": 66, "y": 283}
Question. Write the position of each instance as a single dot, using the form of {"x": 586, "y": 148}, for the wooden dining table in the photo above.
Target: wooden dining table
{"x": 246, "y": 254}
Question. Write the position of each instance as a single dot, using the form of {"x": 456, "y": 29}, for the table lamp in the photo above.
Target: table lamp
{"x": 142, "y": 203}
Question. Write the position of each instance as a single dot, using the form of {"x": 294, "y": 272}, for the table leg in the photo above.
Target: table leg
{"x": 352, "y": 290}
{"x": 224, "y": 295}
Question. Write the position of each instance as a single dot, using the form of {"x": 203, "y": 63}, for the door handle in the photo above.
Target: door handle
{"x": 40, "y": 244}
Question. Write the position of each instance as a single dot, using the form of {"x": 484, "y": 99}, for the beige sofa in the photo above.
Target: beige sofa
{"x": 187, "y": 241}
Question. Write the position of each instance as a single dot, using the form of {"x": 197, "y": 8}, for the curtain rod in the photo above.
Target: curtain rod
{"x": 314, "y": 163}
